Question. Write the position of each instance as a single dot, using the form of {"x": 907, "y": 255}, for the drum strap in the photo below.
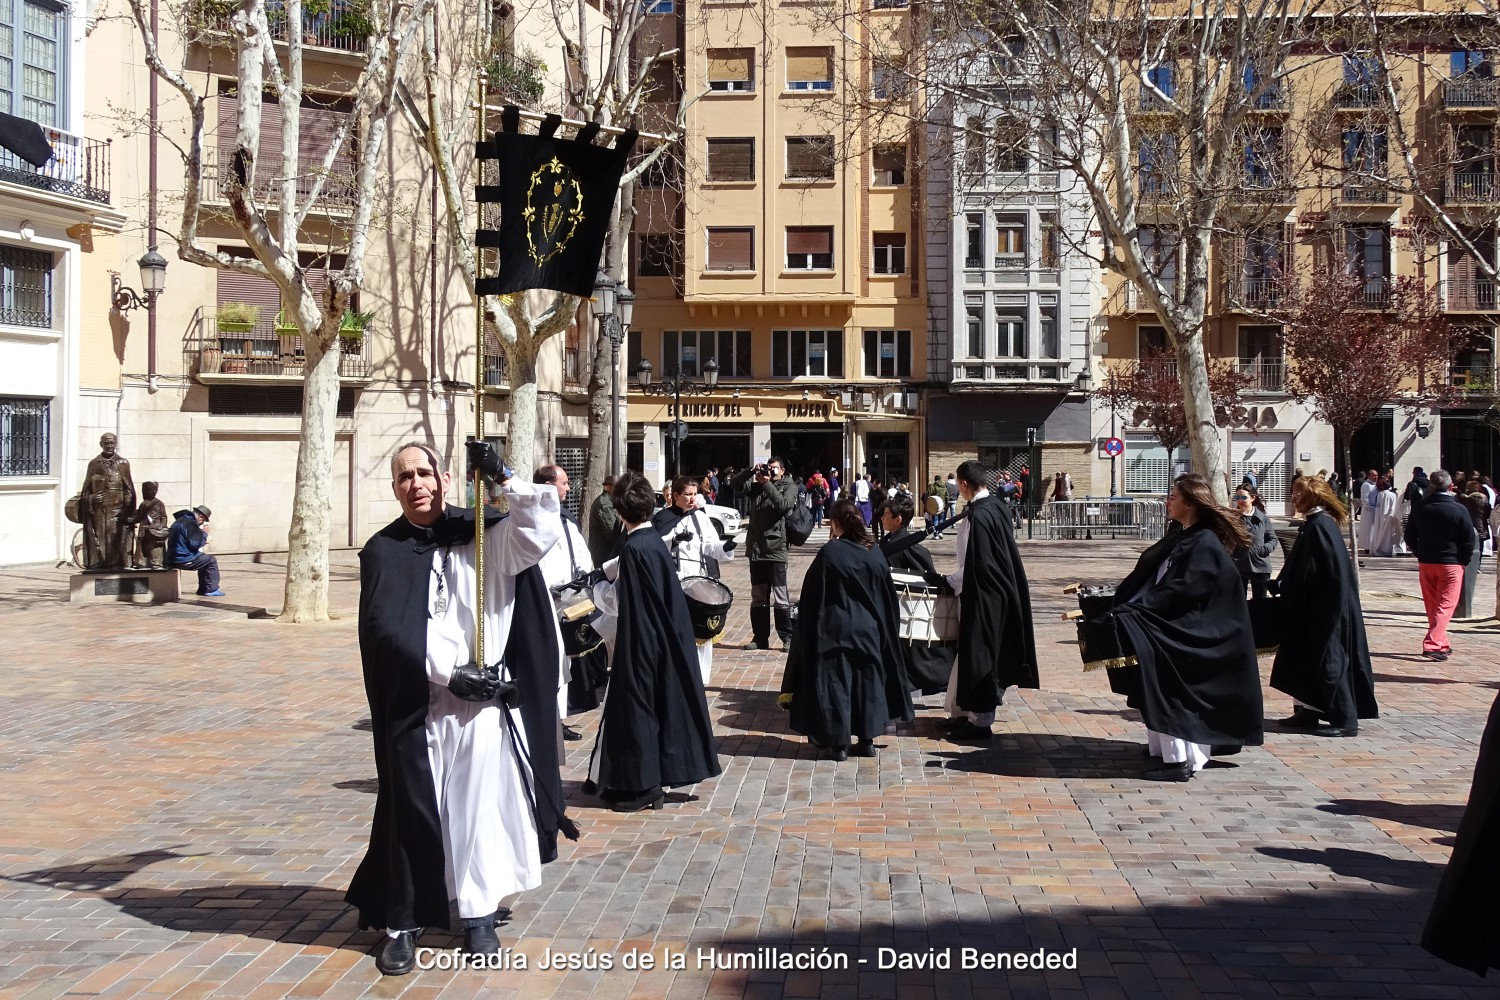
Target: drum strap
{"x": 568, "y": 535}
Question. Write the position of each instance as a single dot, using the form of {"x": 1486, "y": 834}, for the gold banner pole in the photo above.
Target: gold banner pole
{"x": 479, "y": 270}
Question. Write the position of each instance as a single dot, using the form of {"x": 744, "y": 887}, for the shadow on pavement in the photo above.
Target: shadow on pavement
{"x": 1365, "y": 865}
{"x": 1025, "y": 755}
{"x": 1433, "y": 815}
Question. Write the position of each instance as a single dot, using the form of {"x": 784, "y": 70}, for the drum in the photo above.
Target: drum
{"x": 1095, "y": 602}
{"x": 70, "y": 509}
{"x": 1265, "y": 623}
{"x": 1101, "y": 643}
{"x": 708, "y": 603}
{"x": 575, "y": 618}
{"x": 934, "y": 506}
{"x": 927, "y": 614}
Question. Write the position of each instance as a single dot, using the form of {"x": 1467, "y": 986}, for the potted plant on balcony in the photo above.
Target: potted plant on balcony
{"x": 235, "y": 320}
{"x": 289, "y": 337}
{"x": 352, "y": 329}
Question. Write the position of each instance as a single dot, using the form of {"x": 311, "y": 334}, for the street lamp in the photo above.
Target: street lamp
{"x": 677, "y": 385}
{"x": 612, "y": 305}
{"x": 153, "y": 282}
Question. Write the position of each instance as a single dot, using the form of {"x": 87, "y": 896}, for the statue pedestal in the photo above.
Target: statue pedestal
{"x": 136, "y": 586}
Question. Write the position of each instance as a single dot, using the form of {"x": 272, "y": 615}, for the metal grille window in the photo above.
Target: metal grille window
{"x": 687, "y": 351}
{"x": 572, "y": 455}
{"x": 24, "y": 445}
{"x": 817, "y": 353}
{"x": 887, "y": 353}
{"x": 33, "y": 50}
{"x": 25, "y": 287}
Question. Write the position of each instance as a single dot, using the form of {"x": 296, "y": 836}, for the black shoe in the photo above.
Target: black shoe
{"x": 833, "y": 753}
{"x": 1170, "y": 772}
{"x": 571, "y": 735}
{"x": 481, "y": 940}
{"x": 1435, "y": 654}
{"x": 1301, "y": 718}
{"x": 398, "y": 955}
{"x": 758, "y": 644}
{"x": 650, "y": 799}
{"x": 1337, "y": 731}
{"x": 864, "y": 748}
{"x": 950, "y": 723}
{"x": 966, "y": 730}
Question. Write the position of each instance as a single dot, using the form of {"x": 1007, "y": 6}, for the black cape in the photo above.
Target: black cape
{"x": 1324, "y": 659}
{"x": 846, "y": 672}
{"x": 1197, "y": 679}
{"x": 401, "y": 881}
{"x": 928, "y": 663}
{"x": 996, "y": 644}
{"x": 654, "y": 731}
{"x": 1464, "y": 925}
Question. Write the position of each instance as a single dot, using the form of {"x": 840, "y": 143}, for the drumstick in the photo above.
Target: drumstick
{"x": 1072, "y": 588}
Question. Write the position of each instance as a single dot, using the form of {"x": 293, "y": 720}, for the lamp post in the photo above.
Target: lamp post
{"x": 613, "y": 305}
{"x": 153, "y": 282}
{"x": 677, "y": 385}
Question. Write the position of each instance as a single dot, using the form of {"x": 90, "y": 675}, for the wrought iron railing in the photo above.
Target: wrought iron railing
{"x": 1469, "y": 295}
{"x": 1358, "y": 190}
{"x": 337, "y": 194}
{"x": 1356, "y": 95}
{"x": 79, "y": 167}
{"x": 1471, "y": 92}
{"x": 1376, "y": 292}
{"x": 1469, "y": 186}
{"x": 1474, "y": 377}
{"x": 265, "y": 349}
{"x": 1267, "y": 375}
{"x": 344, "y": 26}
{"x": 25, "y": 287}
{"x": 1256, "y": 292}
{"x": 517, "y": 79}
{"x": 496, "y": 371}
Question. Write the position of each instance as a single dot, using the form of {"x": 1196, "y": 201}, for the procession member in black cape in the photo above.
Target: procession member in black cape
{"x": 1464, "y": 925}
{"x": 845, "y": 670}
{"x": 929, "y": 664}
{"x": 469, "y": 801}
{"x": 996, "y": 644}
{"x": 1183, "y": 611}
{"x": 654, "y": 731}
{"x": 1324, "y": 659}
{"x": 695, "y": 547}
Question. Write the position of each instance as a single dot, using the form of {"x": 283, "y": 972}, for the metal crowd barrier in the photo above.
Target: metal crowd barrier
{"x": 1106, "y": 517}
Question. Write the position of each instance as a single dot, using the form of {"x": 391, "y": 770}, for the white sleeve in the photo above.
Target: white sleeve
{"x": 956, "y": 578}
{"x": 712, "y": 544}
{"x": 533, "y": 527}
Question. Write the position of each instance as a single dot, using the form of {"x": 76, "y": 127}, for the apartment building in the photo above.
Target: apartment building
{"x": 785, "y": 249}
{"x": 57, "y": 223}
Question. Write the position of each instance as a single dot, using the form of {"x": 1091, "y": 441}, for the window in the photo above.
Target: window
{"x": 1262, "y": 87}
{"x": 1164, "y": 79}
{"x": 660, "y": 256}
{"x": 731, "y": 249}
{"x": 1474, "y": 148}
{"x": 974, "y": 327}
{"x": 1010, "y": 242}
{"x": 1051, "y": 239}
{"x": 809, "y": 68}
{"x": 974, "y": 242}
{"x": 729, "y": 70}
{"x": 33, "y": 44}
{"x": 1151, "y": 340}
{"x": 1008, "y": 52}
{"x": 25, "y": 287}
{"x": 1471, "y": 62}
{"x": 687, "y": 351}
{"x": 1361, "y": 69}
{"x": 809, "y": 157}
{"x": 890, "y": 166}
{"x": 661, "y": 83}
{"x": 889, "y": 4}
{"x": 809, "y": 248}
{"x": 1158, "y": 163}
{"x": 658, "y": 7}
{"x": 887, "y": 353}
{"x": 24, "y": 428}
{"x": 1159, "y": 250}
{"x": 974, "y": 144}
{"x": 1367, "y": 255}
{"x": 1264, "y": 253}
{"x": 731, "y": 159}
{"x": 812, "y": 353}
{"x": 1263, "y": 166}
{"x": 663, "y": 172}
{"x": 889, "y": 81}
{"x": 890, "y": 253}
{"x": 1010, "y": 336}
{"x": 1012, "y": 150}
{"x": 1365, "y": 151}
{"x": 1050, "y": 346}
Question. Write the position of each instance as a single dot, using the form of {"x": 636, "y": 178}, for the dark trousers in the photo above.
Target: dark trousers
{"x": 208, "y": 571}
{"x": 768, "y": 588}
{"x": 1258, "y": 584}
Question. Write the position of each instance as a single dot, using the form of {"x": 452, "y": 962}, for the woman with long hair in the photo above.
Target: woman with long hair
{"x": 1254, "y": 561}
{"x": 1183, "y": 612}
{"x": 1324, "y": 659}
{"x": 845, "y": 671}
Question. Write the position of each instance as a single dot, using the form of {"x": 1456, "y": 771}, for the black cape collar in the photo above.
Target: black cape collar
{"x": 455, "y": 527}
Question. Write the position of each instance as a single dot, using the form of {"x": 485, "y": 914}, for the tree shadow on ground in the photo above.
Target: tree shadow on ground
{"x": 1432, "y": 815}
{"x": 1367, "y": 865}
{"x": 1031, "y": 755}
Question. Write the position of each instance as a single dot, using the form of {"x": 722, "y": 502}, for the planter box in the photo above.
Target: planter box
{"x": 226, "y": 326}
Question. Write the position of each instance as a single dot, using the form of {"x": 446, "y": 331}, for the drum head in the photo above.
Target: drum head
{"x": 934, "y": 505}
{"x": 707, "y": 590}
{"x": 708, "y": 602}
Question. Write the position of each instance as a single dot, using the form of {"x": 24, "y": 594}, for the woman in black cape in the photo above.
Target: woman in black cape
{"x": 1324, "y": 659}
{"x": 1183, "y": 612}
{"x": 845, "y": 672}
{"x": 928, "y": 663}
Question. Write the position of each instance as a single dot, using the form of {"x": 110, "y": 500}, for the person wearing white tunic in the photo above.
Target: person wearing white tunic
{"x": 694, "y": 544}
{"x": 1385, "y": 529}
{"x": 565, "y": 562}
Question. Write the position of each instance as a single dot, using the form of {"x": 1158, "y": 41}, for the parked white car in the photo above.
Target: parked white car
{"x": 727, "y": 517}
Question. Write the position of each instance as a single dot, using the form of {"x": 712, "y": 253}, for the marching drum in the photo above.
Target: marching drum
{"x": 927, "y": 614}
{"x": 708, "y": 603}
{"x": 1101, "y": 643}
{"x": 1265, "y": 623}
{"x": 934, "y": 505}
{"x": 575, "y": 617}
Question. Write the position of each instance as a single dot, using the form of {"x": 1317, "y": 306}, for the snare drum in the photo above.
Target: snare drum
{"x": 927, "y": 615}
{"x": 708, "y": 603}
{"x": 1101, "y": 643}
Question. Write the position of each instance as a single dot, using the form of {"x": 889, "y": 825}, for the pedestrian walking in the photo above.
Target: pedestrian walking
{"x": 1441, "y": 534}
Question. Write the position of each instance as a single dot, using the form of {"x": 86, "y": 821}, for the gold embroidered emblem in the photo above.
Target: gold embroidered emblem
{"x": 554, "y": 208}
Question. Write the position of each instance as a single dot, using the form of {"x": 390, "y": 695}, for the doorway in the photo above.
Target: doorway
{"x": 888, "y": 457}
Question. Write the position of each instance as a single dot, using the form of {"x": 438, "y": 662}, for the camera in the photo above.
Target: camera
{"x": 763, "y": 469}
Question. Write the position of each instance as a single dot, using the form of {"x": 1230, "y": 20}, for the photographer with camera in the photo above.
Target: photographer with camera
{"x": 771, "y": 498}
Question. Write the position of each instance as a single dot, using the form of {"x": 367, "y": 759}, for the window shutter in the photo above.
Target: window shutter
{"x": 779, "y": 340}
{"x": 1288, "y": 249}
{"x": 835, "y": 353}
{"x": 808, "y": 64}
{"x": 809, "y": 239}
{"x": 903, "y": 353}
{"x": 1231, "y": 251}
{"x": 318, "y": 126}
{"x": 731, "y": 159}
{"x": 728, "y": 65}
{"x": 731, "y": 249}
{"x": 809, "y": 156}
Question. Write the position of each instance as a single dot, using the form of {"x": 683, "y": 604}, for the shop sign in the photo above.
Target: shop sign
{"x": 815, "y": 411}
{"x": 704, "y": 410}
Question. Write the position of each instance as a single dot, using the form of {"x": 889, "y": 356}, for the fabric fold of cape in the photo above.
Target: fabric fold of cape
{"x": 1464, "y": 925}
{"x": 846, "y": 670}
{"x": 655, "y": 730}
{"x": 1197, "y": 678}
{"x": 401, "y": 882}
{"x": 996, "y": 642}
{"x": 928, "y": 663}
{"x": 1324, "y": 658}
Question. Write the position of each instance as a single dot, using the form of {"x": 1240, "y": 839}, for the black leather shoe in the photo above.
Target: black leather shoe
{"x": 753, "y": 644}
{"x": 1224, "y": 749}
{"x": 481, "y": 941}
{"x": 1302, "y": 718}
{"x": 571, "y": 735}
{"x": 966, "y": 730}
{"x": 652, "y": 798}
{"x": 1337, "y": 731}
{"x": 864, "y": 748}
{"x": 1170, "y": 772}
{"x": 398, "y": 955}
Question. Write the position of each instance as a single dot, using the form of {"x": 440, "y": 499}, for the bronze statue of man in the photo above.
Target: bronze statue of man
{"x": 151, "y": 528}
{"x": 107, "y": 507}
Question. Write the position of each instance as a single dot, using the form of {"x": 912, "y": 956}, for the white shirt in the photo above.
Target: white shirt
{"x": 691, "y": 554}
{"x": 956, "y": 578}
{"x": 861, "y": 490}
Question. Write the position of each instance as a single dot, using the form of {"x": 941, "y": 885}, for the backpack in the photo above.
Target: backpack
{"x": 799, "y": 521}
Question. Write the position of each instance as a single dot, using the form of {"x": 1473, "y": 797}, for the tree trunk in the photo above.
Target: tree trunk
{"x": 1353, "y": 499}
{"x": 306, "y": 594}
{"x": 520, "y": 436}
{"x": 1198, "y": 407}
{"x": 600, "y": 461}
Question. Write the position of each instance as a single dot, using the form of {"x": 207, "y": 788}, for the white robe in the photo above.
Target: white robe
{"x": 489, "y": 834}
{"x": 1385, "y": 527}
{"x": 689, "y": 556}
{"x": 557, "y": 568}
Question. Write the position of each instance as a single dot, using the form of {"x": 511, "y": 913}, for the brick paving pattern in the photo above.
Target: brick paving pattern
{"x": 185, "y": 790}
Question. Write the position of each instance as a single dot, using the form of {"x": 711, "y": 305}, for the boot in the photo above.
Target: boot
{"x": 760, "y": 627}
{"x": 784, "y": 625}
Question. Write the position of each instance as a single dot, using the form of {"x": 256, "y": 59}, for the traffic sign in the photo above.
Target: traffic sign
{"x": 1114, "y": 447}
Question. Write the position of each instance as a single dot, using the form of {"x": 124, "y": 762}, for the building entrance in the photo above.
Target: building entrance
{"x": 807, "y": 449}
{"x": 888, "y": 457}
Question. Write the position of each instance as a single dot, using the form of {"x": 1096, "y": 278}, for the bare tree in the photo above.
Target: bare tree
{"x": 1153, "y": 391}
{"x": 270, "y": 202}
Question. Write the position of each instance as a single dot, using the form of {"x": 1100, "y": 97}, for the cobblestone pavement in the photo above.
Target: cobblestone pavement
{"x": 185, "y": 790}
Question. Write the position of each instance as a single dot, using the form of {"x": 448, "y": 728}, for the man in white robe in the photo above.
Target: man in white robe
{"x": 566, "y": 561}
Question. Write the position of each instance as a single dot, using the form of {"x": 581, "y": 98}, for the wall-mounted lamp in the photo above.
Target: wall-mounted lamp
{"x": 1423, "y": 428}
{"x": 806, "y": 395}
{"x": 153, "y": 282}
{"x": 1085, "y": 380}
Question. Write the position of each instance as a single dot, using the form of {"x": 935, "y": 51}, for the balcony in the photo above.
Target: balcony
{"x": 1266, "y": 187}
{"x": 1155, "y": 187}
{"x": 1011, "y": 372}
{"x": 517, "y": 79}
{"x": 1253, "y": 292}
{"x": 1357, "y": 96}
{"x": 1375, "y": 293}
{"x": 1469, "y": 93}
{"x": 496, "y": 373}
{"x": 336, "y": 198}
{"x": 1469, "y": 294}
{"x": 1362, "y": 190}
{"x": 1477, "y": 378}
{"x": 1275, "y": 98}
{"x": 263, "y": 353}
{"x": 1470, "y": 187}
{"x": 1154, "y": 104}
{"x": 79, "y": 168}
{"x": 1266, "y": 375}
{"x": 344, "y": 27}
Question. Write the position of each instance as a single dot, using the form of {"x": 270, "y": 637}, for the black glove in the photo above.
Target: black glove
{"x": 484, "y": 457}
{"x": 935, "y": 579}
{"x": 682, "y": 536}
{"x": 472, "y": 684}
{"x": 729, "y": 544}
{"x": 594, "y": 576}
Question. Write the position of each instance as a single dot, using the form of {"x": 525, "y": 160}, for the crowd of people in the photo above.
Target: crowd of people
{"x": 468, "y": 744}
